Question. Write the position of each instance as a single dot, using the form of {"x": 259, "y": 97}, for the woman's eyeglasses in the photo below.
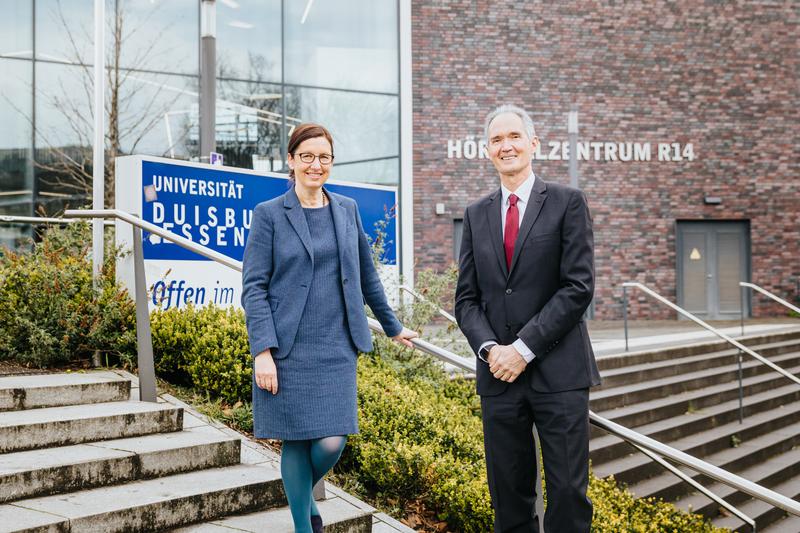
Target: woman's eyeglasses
{"x": 307, "y": 157}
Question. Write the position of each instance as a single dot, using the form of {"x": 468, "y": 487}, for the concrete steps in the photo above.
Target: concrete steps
{"x": 690, "y": 363}
{"x": 645, "y": 412}
{"x": 77, "y": 455}
{"x": 790, "y": 524}
{"x": 63, "y": 469}
{"x": 75, "y": 424}
{"x": 54, "y": 390}
{"x": 337, "y": 518}
{"x": 763, "y": 513}
{"x": 155, "y": 504}
{"x": 714, "y": 427}
{"x": 687, "y": 397}
{"x": 768, "y": 474}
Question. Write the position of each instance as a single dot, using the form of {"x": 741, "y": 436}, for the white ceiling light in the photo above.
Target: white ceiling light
{"x": 305, "y": 13}
{"x": 240, "y": 24}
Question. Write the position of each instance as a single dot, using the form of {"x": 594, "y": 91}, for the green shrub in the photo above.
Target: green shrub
{"x": 50, "y": 313}
{"x": 419, "y": 442}
{"x": 616, "y": 511}
{"x": 206, "y": 348}
{"x": 174, "y": 334}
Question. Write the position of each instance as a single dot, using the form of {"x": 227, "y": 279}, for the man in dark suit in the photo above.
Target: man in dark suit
{"x": 526, "y": 277}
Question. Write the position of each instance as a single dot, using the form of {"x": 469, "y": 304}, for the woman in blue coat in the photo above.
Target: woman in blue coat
{"x": 307, "y": 273}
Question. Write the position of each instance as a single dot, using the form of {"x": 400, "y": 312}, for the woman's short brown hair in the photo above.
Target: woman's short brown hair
{"x": 303, "y": 132}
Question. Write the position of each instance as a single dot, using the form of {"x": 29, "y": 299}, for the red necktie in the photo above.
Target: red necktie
{"x": 512, "y": 228}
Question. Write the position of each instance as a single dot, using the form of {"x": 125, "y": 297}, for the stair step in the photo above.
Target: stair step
{"x": 642, "y": 413}
{"x": 650, "y": 370}
{"x": 608, "y": 362}
{"x": 337, "y": 515}
{"x": 69, "y": 468}
{"x": 777, "y": 469}
{"x": 151, "y": 505}
{"x": 53, "y": 390}
{"x": 636, "y": 467}
{"x": 635, "y": 392}
{"x": 722, "y": 401}
{"x": 763, "y": 513}
{"x": 790, "y": 524}
{"x": 61, "y": 426}
{"x": 780, "y": 459}
{"x": 771, "y": 409}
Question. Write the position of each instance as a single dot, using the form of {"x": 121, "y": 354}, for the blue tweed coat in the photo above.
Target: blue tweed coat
{"x": 278, "y": 266}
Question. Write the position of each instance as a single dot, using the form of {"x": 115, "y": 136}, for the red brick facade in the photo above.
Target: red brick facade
{"x": 721, "y": 76}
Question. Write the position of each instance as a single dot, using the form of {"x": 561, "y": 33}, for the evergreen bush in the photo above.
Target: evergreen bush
{"x": 205, "y": 348}
{"x": 50, "y": 313}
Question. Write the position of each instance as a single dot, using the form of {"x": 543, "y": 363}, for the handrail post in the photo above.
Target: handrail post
{"x": 742, "y": 298}
{"x": 739, "y": 355}
{"x": 625, "y": 313}
{"x": 741, "y": 388}
{"x": 144, "y": 339}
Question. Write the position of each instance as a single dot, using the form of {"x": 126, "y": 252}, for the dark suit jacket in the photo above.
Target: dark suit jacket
{"x": 278, "y": 266}
{"x": 544, "y": 296}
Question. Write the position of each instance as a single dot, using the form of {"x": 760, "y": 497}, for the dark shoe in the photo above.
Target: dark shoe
{"x": 316, "y": 523}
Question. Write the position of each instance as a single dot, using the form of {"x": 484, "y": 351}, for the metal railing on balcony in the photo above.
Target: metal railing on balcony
{"x": 653, "y": 448}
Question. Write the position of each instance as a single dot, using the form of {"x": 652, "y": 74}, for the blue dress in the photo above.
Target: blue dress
{"x": 317, "y": 379}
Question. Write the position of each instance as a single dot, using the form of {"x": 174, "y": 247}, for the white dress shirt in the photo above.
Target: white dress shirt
{"x": 523, "y": 193}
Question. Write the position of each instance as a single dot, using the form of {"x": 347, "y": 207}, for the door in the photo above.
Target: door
{"x": 712, "y": 258}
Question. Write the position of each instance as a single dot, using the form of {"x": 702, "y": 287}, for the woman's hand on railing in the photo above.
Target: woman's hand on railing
{"x": 266, "y": 372}
{"x": 404, "y": 337}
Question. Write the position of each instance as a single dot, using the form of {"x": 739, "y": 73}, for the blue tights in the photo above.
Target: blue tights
{"x": 303, "y": 463}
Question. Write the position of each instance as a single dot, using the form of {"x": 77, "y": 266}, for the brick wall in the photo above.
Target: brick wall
{"x": 722, "y": 76}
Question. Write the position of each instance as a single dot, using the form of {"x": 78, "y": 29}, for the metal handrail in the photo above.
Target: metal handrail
{"x": 35, "y": 220}
{"x": 737, "y": 482}
{"x": 713, "y": 330}
{"x": 447, "y": 356}
{"x": 765, "y": 292}
{"x": 133, "y": 220}
{"x": 697, "y": 486}
{"x": 638, "y": 440}
{"x": 13, "y": 219}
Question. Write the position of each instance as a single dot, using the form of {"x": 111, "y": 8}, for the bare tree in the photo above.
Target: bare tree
{"x": 68, "y": 168}
{"x": 250, "y": 112}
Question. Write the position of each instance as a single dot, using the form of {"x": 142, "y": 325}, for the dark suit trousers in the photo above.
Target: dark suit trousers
{"x": 562, "y": 421}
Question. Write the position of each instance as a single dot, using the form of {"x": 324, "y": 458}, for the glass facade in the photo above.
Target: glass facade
{"x": 279, "y": 63}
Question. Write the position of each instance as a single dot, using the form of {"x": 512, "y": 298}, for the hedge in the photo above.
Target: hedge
{"x": 49, "y": 312}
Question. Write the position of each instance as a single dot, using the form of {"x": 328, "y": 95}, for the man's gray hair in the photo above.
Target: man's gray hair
{"x": 527, "y": 121}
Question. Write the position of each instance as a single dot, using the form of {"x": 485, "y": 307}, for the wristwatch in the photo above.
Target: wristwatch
{"x": 483, "y": 353}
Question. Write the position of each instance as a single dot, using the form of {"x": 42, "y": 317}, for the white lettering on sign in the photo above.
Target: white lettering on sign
{"x": 472, "y": 148}
{"x": 198, "y": 187}
{"x": 211, "y": 226}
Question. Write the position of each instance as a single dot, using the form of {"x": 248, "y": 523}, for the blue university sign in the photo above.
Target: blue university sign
{"x": 213, "y": 206}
